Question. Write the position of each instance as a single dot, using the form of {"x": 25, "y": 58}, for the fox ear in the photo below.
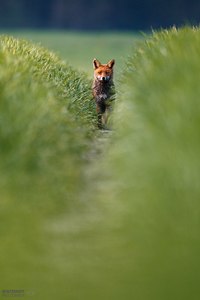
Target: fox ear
{"x": 111, "y": 63}
{"x": 96, "y": 63}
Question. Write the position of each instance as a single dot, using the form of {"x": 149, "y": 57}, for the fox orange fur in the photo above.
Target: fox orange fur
{"x": 103, "y": 90}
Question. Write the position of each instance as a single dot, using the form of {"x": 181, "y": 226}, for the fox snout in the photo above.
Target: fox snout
{"x": 103, "y": 78}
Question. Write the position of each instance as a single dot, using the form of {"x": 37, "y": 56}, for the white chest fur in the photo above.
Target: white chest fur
{"x": 103, "y": 96}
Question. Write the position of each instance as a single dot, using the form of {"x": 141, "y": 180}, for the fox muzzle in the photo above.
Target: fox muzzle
{"x": 102, "y": 78}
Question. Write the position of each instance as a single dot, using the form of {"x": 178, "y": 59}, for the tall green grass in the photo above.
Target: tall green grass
{"x": 149, "y": 183}
{"x": 46, "y": 123}
{"x": 47, "y": 117}
{"x": 68, "y": 83}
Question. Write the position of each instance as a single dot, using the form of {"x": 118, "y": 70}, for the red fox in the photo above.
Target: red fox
{"x": 103, "y": 90}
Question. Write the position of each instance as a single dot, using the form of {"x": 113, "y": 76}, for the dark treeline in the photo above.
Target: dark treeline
{"x": 102, "y": 15}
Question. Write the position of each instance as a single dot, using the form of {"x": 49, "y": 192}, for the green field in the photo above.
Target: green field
{"x": 79, "y": 49}
{"x": 94, "y": 215}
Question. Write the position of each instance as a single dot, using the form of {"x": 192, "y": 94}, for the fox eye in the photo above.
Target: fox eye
{"x": 100, "y": 72}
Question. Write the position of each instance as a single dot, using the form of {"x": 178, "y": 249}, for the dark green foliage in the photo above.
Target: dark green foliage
{"x": 98, "y": 15}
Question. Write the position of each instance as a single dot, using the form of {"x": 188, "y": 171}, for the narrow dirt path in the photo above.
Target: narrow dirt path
{"x": 99, "y": 145}
{"x": 97, "y": 151}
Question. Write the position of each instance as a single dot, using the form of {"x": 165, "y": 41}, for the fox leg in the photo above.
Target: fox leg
{"x": 100, "y": 115}
{"x": 106, "y": 115}
{"x": 104, "y": 118}
{"x": 99, "y": 121}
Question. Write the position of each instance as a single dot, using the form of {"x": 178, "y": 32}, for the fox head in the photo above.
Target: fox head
{"x": 103, "y": 72}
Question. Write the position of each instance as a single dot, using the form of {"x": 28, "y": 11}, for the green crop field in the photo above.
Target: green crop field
{"x": 89, "y": 214}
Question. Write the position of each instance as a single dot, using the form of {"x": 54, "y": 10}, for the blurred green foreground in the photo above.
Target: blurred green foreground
{"x": 120, "y": 224}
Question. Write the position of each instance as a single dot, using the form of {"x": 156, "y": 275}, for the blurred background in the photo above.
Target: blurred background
{"x": 79, "y": 30}
{"x": 98, "y": 15}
